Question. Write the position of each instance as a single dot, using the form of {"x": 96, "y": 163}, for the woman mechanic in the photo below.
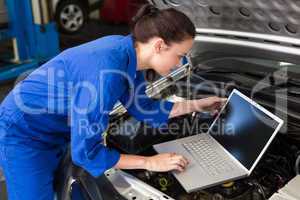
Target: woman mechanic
{"x": 68, "y": 99}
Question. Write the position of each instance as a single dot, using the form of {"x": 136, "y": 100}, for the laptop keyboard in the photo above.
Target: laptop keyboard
{"x": 208, "y": 159}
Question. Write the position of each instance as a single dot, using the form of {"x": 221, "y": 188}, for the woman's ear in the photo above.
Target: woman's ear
{"x": 159, "y": 45}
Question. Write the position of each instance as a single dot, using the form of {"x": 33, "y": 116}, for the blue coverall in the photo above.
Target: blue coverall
{"x": 68, "y": 99}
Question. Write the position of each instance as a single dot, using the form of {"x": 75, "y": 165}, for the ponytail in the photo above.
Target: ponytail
{"x": 146, "y": 10}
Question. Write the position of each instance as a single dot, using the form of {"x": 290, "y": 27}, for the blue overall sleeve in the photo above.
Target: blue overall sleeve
{"x": 143, "y": 108}
{"x": 89, "y": 118}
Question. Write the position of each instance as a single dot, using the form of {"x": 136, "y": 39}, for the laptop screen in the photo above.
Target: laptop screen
{"x": 243, "y": 129}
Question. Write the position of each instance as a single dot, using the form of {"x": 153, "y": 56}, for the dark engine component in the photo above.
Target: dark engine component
{"x": 134, "y": 137}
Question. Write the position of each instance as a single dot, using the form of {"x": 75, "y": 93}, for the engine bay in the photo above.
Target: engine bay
{"x": 279, "y": 164}
{"x": 275, "y": 169}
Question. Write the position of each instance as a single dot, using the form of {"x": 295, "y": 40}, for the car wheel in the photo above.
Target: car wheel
{"x": 71, "y": 16}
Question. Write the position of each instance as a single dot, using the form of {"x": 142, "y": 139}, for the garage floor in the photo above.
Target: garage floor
{"x": 93, "y": 30}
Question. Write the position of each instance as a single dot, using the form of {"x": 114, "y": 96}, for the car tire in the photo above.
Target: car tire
{"x": 71, "y": 16}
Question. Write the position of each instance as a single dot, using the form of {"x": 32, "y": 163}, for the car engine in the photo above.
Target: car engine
{"x": 279, "y": 164}
{"x": 276, "y": 168}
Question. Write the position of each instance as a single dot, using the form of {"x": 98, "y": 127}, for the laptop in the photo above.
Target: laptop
{"x": 232, "y": 147}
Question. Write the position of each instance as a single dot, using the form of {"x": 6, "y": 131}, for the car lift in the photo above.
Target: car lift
{"x": 33, "y": 36}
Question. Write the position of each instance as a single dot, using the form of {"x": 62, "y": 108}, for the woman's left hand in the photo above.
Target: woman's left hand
{"x": 211, "y": 104}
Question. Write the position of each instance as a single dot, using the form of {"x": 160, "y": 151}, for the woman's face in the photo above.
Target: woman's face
{"x": 168, "y": 57}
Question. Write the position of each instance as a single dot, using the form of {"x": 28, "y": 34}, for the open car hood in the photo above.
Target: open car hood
{"x": 268, "y": 17}
{"x": 236, "y": 26}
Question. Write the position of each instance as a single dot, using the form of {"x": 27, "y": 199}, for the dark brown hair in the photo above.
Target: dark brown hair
{"x": 169, "y": 24}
